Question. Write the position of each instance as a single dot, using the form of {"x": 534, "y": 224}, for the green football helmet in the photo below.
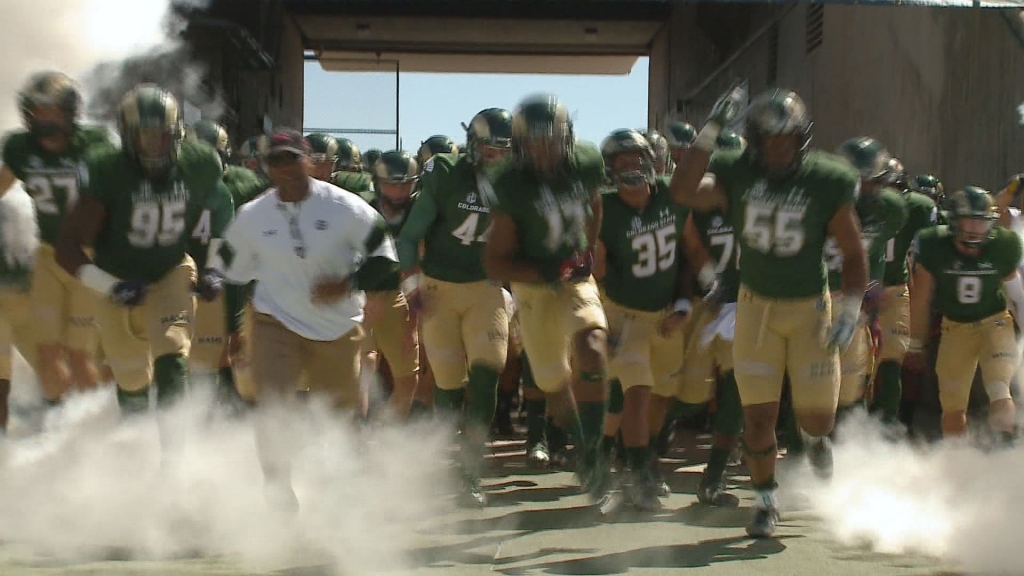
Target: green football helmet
{"x": 212, "y": 133}
{"x": 930, "y": 186}
{"x": 680, "y": 135}
{"x": 777, "y": 112}
{"x": 629, "y": 141}
{"x": 349, "y": 158}
{"x": 323, "y": 147}
{"x": 150, "y": 124}
{"x": 542, "y": 117}
{"x": 898, "y": 176}
{"x": 869, "y": 157}
{"x": 396, "y": 167}
{"x": 437, "y": 144}
{"x": 50, "y": 88}
{"x": 370, "y": 158}
{"x": 729, "y": 140}
{"x": 491, "y": 127}
{"x": 974, "y": 215}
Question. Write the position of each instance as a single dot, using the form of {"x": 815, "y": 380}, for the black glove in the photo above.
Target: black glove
{"x": 210, "y": 285}
{"x": 577, "y": 267}
{"x": 128, "y": 293}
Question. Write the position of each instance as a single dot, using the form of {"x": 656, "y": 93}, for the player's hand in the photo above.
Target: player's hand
{"x": 672, "y": 323}
{"x": 728, "y": 107}
{"x": 874, "y": 298}
{"x": 843, "y": 329}
{"x": 576, "y": 267}
{"x": 210, "y": 284}
{"x": 128, "y": 293}
{"x": 330, "y": 290}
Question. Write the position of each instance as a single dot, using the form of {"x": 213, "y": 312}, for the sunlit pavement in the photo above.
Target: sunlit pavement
{"x": 538, "y": 523}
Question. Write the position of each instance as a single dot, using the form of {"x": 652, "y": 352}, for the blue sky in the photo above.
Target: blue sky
{"x": 437, "y": 103}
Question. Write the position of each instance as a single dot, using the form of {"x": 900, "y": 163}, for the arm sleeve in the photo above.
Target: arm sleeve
{"x": 421, "y": 216}
{"x": 241, "y": 262}
{"x": 379, "y": 271}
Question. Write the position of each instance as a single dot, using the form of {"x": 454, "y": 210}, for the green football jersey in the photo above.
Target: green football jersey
{"x": 214, "y": 216}
{"x": 148, "y": 223}
{"x": 642, "y": 249}
{"x": 552, "y": 217}
{"x": 244, "y": 184}
{"x": 968, "y": 289}
{"x": 53, "y": 180}
{"x": 921, "y": 213}
{"x": 881, "y": 217}
{"x": 454, "y": 242}
{"x": 783, "y": 225}
{"x": 716, "y": 234}
{"x": 360, "y": 183}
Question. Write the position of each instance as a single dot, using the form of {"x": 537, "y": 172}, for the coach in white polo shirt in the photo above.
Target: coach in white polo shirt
{"x": 313, "y": 249}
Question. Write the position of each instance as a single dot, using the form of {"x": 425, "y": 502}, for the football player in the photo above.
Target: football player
{"x": 882, "y": 213}
{"x": 217, "y": 322}
{"x": 437, "y": 144}
{"x": 969, "y": 269}
{"x": 250, "y": 155}
{"x": 349, "y": 171}
{"x": 137, "y": 210}
{"x": 325, "y": 154}
{"x": 48, "y": 156}
{"x": 636, "y": 260}
{"x": 894, "y": 306}
{"x": 370, "y": 158}
{"x": 898, "y": 177}
{"x": 19, "y": 239}
{"x": 544, "y": 228}
{"x": 463, "y": 318}
{"x": 680, "y": 136}
{"x": 784, "y": 201}
{"x": 392, "y": 330}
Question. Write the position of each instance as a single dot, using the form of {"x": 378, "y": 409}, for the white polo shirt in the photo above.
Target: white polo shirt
{"x": 288, "y": 247}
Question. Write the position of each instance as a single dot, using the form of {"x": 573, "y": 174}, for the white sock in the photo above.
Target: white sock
{"x": 766, "y": 499}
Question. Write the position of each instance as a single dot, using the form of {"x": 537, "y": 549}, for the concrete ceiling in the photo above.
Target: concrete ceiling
{"x": 496, "y": 45}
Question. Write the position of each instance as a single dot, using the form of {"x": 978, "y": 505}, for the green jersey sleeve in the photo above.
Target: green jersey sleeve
{"x": 244, "y": 184}
{"x": 1008, "y": 251}
{"x": 591, "y": 165}
{"x": 421, "y": 217}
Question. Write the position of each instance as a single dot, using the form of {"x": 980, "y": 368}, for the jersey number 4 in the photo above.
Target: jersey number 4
{"x": 466, "y": 232}
{"x": 655, "y": 251}
{"x": 767, "y": 230}
{"x": 157, "y": 224}
{"x": 41, "y": 188}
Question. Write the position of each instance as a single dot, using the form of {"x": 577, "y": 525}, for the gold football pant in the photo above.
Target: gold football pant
{"x": 855, "y": 364}
{"x": 64, "y": 309}
{"x": 697, "y": 378}
{"x": 133, "y": 337}
{"x": 989, "y": 343}
{"x": 549, "y": 317}
{"x": 775, "y": 337}
{"x": 894, "y": 321}
{"x": 389, "y": 335}
{"x": 637, "y": 354}
{"x": 209, "y": 337}
{"x": 16, "y": 330}
{"x": 463, "y": 325}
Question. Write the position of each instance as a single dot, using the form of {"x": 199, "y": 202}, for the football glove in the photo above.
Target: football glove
{"x": 577, "y": 266}
{"x": 210, "y": 285}
{"x": 128, "y": 293}
{"x": 845, "y": 325}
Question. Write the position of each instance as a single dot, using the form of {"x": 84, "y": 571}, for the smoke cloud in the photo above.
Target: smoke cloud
{"x": 951, "y": 500}
{"x": 104, "y": 44}
{"x": 90, "y": 488}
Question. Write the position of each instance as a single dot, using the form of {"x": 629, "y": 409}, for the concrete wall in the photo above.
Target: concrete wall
{"x": 938, "y": 86}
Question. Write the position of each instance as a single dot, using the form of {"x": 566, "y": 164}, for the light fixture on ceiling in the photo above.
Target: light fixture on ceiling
{"x": 363, "y": 30}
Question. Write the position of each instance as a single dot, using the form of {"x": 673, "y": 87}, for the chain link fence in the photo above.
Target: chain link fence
{"x": 360, "y": 106}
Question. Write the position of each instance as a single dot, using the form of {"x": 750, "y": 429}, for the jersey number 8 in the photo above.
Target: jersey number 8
{"x": 157, "y": 223}
{"x": 779, "y": 232}
{"x": 968, "y": 289}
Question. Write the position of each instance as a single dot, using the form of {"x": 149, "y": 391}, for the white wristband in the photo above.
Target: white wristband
{"x": 707, "y": 276}
{"x": 410, "y": 284}
{"x": 682, "y": 306}
{"x": 707, "y": 139}
{"x": 96, "y": 279}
